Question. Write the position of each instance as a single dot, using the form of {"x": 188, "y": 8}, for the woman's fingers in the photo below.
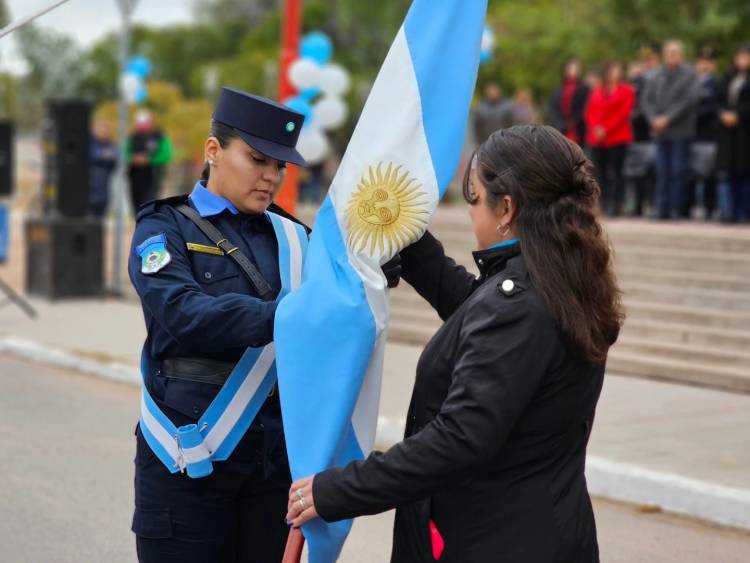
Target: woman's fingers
{"x": 301, "y": 507}
{"x": 303, "y": 518}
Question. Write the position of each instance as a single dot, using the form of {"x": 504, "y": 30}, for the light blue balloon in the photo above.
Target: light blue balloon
{"x": 317, "y": 46}
{"x": 141, "y": 94}
{"x": 139, "y": 66}
{"x": 485, "y": 57}
{"x": 309, "y": 94}
{"x": 301, "y": 105}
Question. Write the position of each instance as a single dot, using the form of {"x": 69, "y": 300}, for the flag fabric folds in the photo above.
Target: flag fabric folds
{"x": 330, "y": 333}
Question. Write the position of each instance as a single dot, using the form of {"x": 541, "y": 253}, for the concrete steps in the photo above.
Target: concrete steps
{"x": 686, "y": 292}
{"x": 688, "y": 296}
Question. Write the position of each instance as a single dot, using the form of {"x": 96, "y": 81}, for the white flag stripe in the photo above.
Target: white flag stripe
{"x": 168, "y": 442}
{"x": 295, "y": 253}
{"x": 241, "y": 399}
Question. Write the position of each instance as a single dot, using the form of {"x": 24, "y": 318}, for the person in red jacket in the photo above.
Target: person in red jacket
{"x": 609, "y": 133}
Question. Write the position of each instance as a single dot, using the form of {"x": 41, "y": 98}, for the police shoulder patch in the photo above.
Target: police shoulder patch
{"x": 153, "y": 253}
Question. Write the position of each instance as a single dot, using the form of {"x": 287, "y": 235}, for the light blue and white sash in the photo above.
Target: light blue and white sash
{"x": 194, "y": 447}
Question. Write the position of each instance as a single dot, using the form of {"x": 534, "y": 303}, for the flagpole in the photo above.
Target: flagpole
{"x": 288, "y": 194}
{"x": 10, "y": 28}
{"x": 294, "y": 545}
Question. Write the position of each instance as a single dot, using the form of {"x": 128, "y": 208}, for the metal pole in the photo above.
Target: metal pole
{"x": 119, "y": 186}
{"x": 10, "y": 28}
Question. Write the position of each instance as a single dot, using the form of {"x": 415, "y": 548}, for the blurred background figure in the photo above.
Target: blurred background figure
{"x": 669, "y": 103}
{"x": 568, "y": 102}
{"x": 493, "y": 112}
{"x": 103, "y": 160}
{"x": 702, "y": 186}
{"x": 311, "y": 184}
{"x": 523, "y": 110}
{"x": 734, "y": 139}
{"x": 609, "y": 132}
{"x": 640, "y": 157}
{"x": 149, "y": 151}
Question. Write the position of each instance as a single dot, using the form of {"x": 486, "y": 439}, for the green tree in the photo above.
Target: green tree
{"x": 55, "y": 66}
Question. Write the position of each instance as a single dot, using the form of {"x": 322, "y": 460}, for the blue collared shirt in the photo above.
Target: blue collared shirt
{"x": 208, "y": 203}
{"x": 501, "y": 244}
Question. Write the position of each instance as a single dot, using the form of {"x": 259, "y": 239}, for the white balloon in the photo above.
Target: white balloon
{"x": 313, "y": 145}
{"x": 129, "y": 86}
{"x": 304, "y": 74}
{"x": 488, "y": 40}
{"x": 330, "y": 112}
{"x": 334, "y": 80}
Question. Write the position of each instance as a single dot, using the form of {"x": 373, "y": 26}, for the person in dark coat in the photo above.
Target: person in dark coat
{"x": 505, "y": 393}
{"x": 707, "y": 125}
{"x": 568, "y": 103}
{"x": 149, "y": 151}
{"x": 670, "y": 103}
{"x": 734, "y": 139}
{"x": 643, "y": 180}
{"x": 493, "y": 112}
{"x": 103, "y": 160}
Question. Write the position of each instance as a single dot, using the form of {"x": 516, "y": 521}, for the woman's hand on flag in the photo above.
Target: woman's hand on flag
{"x": 301, "y": 507}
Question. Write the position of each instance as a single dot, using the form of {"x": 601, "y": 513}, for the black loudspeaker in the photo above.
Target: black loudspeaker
{"x": 67, "y": 141}
{"x": 6, "y": 158}
{"x": 64, "y": 257}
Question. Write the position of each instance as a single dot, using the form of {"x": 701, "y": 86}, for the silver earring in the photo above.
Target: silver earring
{"x": 210, "y": 162}
{"x": 502, "y": 230}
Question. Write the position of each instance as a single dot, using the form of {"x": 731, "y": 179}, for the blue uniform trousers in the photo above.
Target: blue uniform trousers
{"x": 236, "y": 514}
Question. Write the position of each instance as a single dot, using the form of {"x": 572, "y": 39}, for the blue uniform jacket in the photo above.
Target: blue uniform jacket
{"x": 201, "y": 305}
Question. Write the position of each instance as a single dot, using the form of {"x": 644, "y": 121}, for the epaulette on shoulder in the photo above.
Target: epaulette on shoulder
{"x": 152, "y": 206}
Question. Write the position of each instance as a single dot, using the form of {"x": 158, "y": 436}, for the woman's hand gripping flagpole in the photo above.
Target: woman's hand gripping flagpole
{"x": 300, "y": 510}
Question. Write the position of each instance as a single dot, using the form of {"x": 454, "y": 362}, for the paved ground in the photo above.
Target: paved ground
{"x": 67, "y": 489}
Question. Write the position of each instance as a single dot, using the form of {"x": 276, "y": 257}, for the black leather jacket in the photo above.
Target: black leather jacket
{"x": 497, "y": 428}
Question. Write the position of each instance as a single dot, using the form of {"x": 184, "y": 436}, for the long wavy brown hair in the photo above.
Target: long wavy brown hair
{"x": 567, "y": 253}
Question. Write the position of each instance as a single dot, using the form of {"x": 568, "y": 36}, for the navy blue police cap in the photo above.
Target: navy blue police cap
{"x": 268, "y": 127}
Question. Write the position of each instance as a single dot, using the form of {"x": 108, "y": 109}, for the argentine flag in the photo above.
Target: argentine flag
{"x": 330, "y": 333}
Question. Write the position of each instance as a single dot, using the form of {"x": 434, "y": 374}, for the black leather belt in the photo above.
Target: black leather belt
{"x": 200, "y": 370}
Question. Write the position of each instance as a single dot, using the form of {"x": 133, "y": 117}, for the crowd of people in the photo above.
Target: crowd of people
{"x": 669, "y": 139}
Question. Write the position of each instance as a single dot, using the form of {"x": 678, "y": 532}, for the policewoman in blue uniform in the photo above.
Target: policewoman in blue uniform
{"x": 211, "y": 472}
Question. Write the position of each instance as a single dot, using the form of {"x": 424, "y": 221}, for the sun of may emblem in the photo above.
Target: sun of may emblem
{"x": 387, "y": 211}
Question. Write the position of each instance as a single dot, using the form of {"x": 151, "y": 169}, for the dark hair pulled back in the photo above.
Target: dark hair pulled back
{"x": 568, "y": 256}
{"x": 225, "y": 135}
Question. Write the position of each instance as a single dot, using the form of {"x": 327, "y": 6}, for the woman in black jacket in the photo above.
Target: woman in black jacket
{"x": 568, "y": 103}
{"x": 505, "y": 394}
{"x": 734, "y": 139}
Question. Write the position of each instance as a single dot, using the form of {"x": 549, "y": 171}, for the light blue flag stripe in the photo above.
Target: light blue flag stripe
{"x": 325, "y": 328}
{"x": 443, "y": 42}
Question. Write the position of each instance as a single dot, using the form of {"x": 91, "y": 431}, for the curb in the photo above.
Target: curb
{"x": 57, "y": 357}
{"x": 720, "y": 504}
{"x": 606, "y": 478}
